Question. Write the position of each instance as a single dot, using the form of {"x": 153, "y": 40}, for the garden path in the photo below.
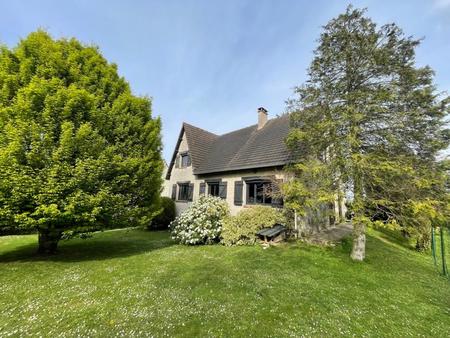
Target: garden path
{"x": 333, "y": 234}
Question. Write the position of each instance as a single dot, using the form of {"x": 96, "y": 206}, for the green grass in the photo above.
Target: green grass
{"x": 137, "y": 283}
{"x": 439, "y": 250}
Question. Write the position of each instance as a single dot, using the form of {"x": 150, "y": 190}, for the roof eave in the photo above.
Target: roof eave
{"x": 174, "y": 155}
{"x": 269, "y": 165}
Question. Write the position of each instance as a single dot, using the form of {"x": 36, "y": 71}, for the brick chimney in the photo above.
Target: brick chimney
{"x": 262, "y": 117}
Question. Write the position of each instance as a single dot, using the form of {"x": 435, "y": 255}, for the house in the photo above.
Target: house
{"x": 242, "y": 166}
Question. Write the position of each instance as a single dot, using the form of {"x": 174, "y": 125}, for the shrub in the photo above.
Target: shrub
{"x": 167, "y": 215}
{"x": 201, "y": 223}
{"x": 242, "y": 228}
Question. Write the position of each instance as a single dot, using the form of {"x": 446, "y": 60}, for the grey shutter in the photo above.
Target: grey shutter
{"x": 223, "y": 190}
{"x": 191, "y": 191}
{"x": 177, "y": 161}
{"x": 202, "y": 188}
{"x": 238, "y": 185}
{"x": 174, "y": 192}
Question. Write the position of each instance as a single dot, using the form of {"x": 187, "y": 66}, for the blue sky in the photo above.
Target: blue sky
{"x": 213, "y": 63}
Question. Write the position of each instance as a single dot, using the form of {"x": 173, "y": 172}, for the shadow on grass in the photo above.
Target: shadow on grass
{"x": 394, "y": 236}
{"x": 346, "y": 244}
{"x": 380, "y": 247}
{"x": 101, "y": 246}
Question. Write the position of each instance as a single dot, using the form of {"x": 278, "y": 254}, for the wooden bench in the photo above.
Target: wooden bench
{"x": 273, "y": 234}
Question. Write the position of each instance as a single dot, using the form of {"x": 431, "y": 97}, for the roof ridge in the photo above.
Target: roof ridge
{"x": 204, "y": 130}
{"x": 236, "y": 130}
{"x": 253, "y": 125}
{"x": 245, "y": 145}
{"x": 253, "y": 135}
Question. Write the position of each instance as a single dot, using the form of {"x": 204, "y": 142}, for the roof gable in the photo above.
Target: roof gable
{"x": 199, "y": 142}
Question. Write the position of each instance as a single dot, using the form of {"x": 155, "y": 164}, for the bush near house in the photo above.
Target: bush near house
{"x": 242, "y": 228}
{"x": 201, "y": 223}
{"x": 167, "y": 215}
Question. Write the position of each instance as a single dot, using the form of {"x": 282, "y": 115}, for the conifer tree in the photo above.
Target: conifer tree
{"x": 78, "y": 151}
{"x": 369, "y": 123}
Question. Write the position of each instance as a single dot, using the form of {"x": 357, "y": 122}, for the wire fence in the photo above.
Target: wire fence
{"x": 440, "y": 249}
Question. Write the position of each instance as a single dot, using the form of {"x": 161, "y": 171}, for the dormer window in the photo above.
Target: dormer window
{"x": 185, "y": 160}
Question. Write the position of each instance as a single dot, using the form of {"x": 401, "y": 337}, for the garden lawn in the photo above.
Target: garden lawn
{"x": 138, "y": 283}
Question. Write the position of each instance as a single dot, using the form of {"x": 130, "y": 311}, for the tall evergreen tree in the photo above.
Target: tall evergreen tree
{"x": 369, "y": 123}
{"x": 78, "y": 152}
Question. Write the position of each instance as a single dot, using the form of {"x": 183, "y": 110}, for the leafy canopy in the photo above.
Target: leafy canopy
{"x": 78, "y": 151}
{"x": 368, "y": 123}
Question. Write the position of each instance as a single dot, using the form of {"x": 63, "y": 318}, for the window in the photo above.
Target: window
{"x": 264, "y": 191}
{"x": 185, "y": 191}
{"x": 259, "y": 193}
{"x": 213, "y": 189}
{"x": 217, "y": 188}
{"x": 185, "y": 160}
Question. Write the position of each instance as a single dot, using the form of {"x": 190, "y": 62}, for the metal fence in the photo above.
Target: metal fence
{"x": 440, "y": 249}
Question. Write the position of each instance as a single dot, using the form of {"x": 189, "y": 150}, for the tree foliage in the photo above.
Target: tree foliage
{"x": 78, "y": 152}
{"x": 370, "y": 124}
{"x": 165, "y": 217}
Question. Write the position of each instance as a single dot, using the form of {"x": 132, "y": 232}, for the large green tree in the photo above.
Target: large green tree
{"x": 78, "y": 151}
{"x": 369, "y": 124}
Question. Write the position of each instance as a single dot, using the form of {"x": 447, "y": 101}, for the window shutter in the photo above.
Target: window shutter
{"x": 191, "y": 191}
{"x": 223, "y": 190}
{"x": 174, "y": 192}
{"x": 238, "y": 185}
{"x": 202, "y": 188}
{"x": 177, "y": 161}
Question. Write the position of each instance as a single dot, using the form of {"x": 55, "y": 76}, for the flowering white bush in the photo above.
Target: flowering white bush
{"x": 201, "y": 223}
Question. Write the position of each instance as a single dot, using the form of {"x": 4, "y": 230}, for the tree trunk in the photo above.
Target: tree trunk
{"x": 359, "y": 244}
{"x": 48, "y": 241}
{"x": 340, "y": 202}
{"x": 359, "y": 229}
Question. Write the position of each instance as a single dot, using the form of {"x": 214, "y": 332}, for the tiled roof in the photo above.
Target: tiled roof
{"x": 199, "y": 142}
{"x": 246, "y": 148}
